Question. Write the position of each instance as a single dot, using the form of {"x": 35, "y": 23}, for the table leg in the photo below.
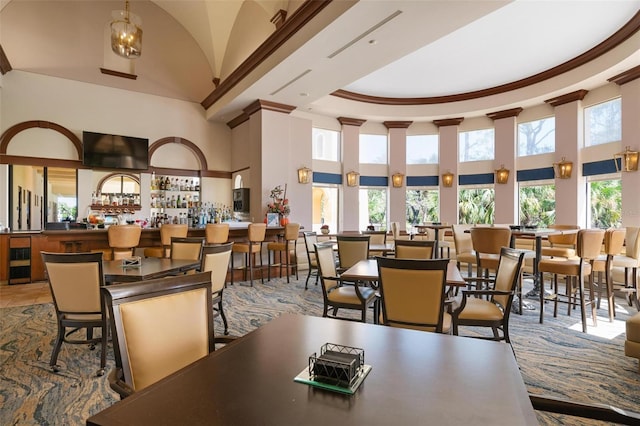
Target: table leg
{"x": 436, "y": 244}
{"x": 535, "y": 291}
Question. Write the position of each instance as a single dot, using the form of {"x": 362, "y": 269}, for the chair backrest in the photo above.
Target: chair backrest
{"x": 123, "y": 236}
{"x": 414, "y": 249}
{"x": 171, "y": 230}
{"x": 75, "y": 280}
{"x": 563, "y": 239}
{"x": 490, "y": 239}
{"x": 507, "y": 275}
{"x": 186, "y": 248}
{"x": 413, "y": 292}
{"x": 376, "y": 237}
{"x": 461, "y": 239}
{"x": 160, "y": 326}
{"x": 310, "y": 239}
{"x": 614, "y": 241}
{"x": 216, "y": 233}
{"x": 352, "y": 249}
{"x": 215, "y": 259}
{"x": 291, "y": 231}
{"x": 589, "y": 243}
{"x": 632, "y": 242}
{"x": 395, "y": 230}
{"x": 256, "y": 232}
{"x": 326, "y": 266}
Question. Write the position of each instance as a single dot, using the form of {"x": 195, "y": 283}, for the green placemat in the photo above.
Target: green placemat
{"x": 305, "y": 377}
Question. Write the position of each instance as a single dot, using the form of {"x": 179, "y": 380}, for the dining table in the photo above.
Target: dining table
{"x": 414, "y": 378}
{"x": 436, "y": 232}
{"x": 149, "y": 268}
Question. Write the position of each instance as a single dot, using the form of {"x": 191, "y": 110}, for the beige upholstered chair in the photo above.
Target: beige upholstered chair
{"x": 215, "y": 259}
{"x": 492, "y": 311}
{"x": 413, "y": 293}
{"x": 395, "y": 232}
{"x": 589, "y": 245}
{"x": 613, "y": 243}
{"x": 414, "y": 249}
{"x": 376, "y": 237}
{"x": 338, "y": 295}
{"x": 286, "y": 249}
{"x": 629, "y": 263}
{"x": 167, "y": 232}
{"x": 464, "y": 246}
{"x": 158, "y": 326}
{"x": 352, "y": 249}
{"x": 487, "y": 243}
{"x": 123, "y": 239}
{"x": 75, "y": 280}
{"x": 187, "y": 248}
{"x": 310, "y": 239}
{"x": 561, "y": 245}
{"x": 216, "y": 233}
{"x": 253, "y": 245}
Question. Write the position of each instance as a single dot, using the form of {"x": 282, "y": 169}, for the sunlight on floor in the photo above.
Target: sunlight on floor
{"x": 605, "y": 329}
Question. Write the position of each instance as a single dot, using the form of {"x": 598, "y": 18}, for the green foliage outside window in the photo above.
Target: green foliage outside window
{"x": 476, "y": 206}
{"x": 538, "y": 205}
{"x": 422, "y": 206}
{"x": 606, "y": 203}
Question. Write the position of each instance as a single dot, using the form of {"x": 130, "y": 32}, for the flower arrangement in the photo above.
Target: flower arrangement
{"x": 324, "y": 229}
{"x": 280, "y": 202}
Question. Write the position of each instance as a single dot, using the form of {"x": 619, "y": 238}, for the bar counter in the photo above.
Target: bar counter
{"x": 83, "y": 240}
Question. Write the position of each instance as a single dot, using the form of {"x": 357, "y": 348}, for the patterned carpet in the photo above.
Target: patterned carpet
{"x": 556, "y": 358}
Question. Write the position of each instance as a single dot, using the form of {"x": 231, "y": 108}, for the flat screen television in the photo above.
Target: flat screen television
{"x": 114, "y": 151}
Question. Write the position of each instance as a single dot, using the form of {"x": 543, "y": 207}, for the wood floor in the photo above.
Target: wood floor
{"x": 24, "y": 294}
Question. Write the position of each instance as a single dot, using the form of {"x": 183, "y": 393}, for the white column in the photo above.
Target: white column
{"x": 397, "y": 164}
{"x": 448, "y": 148}
{"x": 506, "y": 195}
{"x": 350, "y": 162}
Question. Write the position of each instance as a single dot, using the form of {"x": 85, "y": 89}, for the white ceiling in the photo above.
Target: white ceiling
{"x": 389, "y": 48}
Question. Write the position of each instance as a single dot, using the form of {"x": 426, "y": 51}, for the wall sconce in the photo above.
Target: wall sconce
{"x": 304, "y": 175}
{"x": 352, "y": 178}
{"x": 563, "y": 169}
{"x": 628, "y": 160}
{"x": 502, "y": 175}
{"x": 447, "y": 179}
{"x": 396, "y": 180}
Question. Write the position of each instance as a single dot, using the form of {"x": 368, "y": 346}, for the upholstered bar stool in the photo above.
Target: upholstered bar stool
{"x": 613, "y": 243}
{"x": 629, "y": 262}
{"x": 487, "y": 243}
{"x": 285, "y": 248}
{"x": 464, "y": 247}
{"x": 216, "y": 233}
{"x": 167, "y": 232}
{"x": 123, "y": 239}
{"x": 255, "y": 237}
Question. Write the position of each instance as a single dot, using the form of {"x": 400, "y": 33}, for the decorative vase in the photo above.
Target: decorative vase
{"x": 324, "y": 231}
{"x": 284, "y": 220}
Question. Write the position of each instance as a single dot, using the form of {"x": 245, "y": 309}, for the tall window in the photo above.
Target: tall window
{"x": 477, "y": 145}
{"x": 537, "y": 137}
{"x": 605, "y": 200}
{"x": 422, "y": 149}
{"x": 422, "y": 206}
{"x": 325, "y": 207}
{"x": 603, "y": 123}
{"x": 325, "y": 144}
{"x": 373, "y": 149}
{"x": 537, "y": 205}
{"x": 373, "y": 208}
{"x": 477, "y": 205}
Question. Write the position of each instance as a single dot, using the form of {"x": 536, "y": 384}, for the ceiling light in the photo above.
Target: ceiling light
{"x": 126, "y": 34}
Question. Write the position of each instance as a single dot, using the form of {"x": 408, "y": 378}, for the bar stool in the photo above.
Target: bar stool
{"x": 255, "y": 237}
{"x": 291, "y": 231}
{"x": 167, "y": 232}
{"x": 123, "y": 239}
{"x": 216, "y": 233}
{"x": 613, "y": 243}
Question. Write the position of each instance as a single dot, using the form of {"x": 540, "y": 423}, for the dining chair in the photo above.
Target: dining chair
{"x": 122, "y": 240}
{"x": 287, "y": 250}
{"x": 159, "y": 326}
{"x": 167, "y": 232}
{"x": 588, "y": 248}
{"x": 613, "y": 244}
{"x": 351, "y": 250}
{"x": 561, "y": 245}
{"x": 413, "y": 294}
{"x": 629, "y": 264}
{"x": 395, "y": 232}
{"x": 414, "y": 249}
{"x": 256, "y": 233}
{"x": 491, "y": 307}
{"x": 337, "y": 294}
{"x": 215, "y": 259}
{"x": 216, "y": 233}
{"x": 310, "y": 239}
{"x": 75, "y": 280}
{"x": 187, "y": 248}
{"x": 487, "y": 242}
{"x": 378, "y": 238}
{"x": 464, "y": 247}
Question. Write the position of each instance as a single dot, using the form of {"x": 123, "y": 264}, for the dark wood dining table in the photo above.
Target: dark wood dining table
{"x": 150, "y": 267}
{"x": 416, "y": 378}
{"x": 367, "y": 270}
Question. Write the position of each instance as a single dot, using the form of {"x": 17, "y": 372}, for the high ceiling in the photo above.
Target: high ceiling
{"x": 380, "y": 48}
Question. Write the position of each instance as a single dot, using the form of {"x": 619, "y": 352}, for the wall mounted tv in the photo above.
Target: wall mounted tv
{"x": 114, "y": 151}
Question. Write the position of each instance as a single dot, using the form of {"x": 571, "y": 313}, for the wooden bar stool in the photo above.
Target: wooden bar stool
{"x": 216, "y": 233}
{"x": 285, "y": 247}
{"x": 255, "y": 237}
{"x": 123, "y": 239}
{"x": 167, "y": 232}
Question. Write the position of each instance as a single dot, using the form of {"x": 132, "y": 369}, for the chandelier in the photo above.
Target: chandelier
{"x": 126, "y": 34}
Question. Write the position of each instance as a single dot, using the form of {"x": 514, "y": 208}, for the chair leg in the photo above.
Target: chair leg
{"x": 583, "y": 313}
{"x": 592, "y": 302}
{"x": 269, "y": 252}
{"x": 251, "y": 257}
{"x": 232, "y": 268}
{"x": 224, "y": 318}
{"x": 103, "y": 349}
{"x": 56, "y": 349}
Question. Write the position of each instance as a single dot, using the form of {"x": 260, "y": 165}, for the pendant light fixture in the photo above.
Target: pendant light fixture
{"x": 126, "y": 33}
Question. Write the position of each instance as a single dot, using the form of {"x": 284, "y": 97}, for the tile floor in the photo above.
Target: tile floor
{"x": 24, "y": 294}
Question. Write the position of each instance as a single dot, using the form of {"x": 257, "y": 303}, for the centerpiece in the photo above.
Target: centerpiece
{"x": 279, "y": 204}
